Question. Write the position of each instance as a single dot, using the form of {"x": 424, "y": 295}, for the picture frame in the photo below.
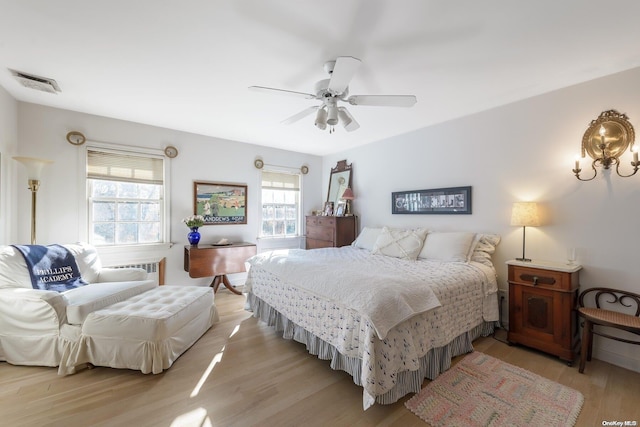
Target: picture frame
{"x": 220, "y": 203}
{"x": 341, "y": 208}
{"x": 447, "y": 201}
{"x": 328, "y": 209}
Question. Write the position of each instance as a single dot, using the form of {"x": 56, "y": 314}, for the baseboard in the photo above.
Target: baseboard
{"x": 617, "y": 359}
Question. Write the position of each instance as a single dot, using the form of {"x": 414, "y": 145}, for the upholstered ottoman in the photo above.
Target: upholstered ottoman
{"x": 146, "y": 332}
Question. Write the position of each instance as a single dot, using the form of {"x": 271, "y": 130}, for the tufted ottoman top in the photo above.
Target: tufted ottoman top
{"x": 150, "y": 316}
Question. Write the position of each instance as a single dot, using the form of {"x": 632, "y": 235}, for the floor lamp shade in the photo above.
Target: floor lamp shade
{"x": 34, "y": 171}
{"x": 34, "y": 166}
{"x": 524, "y": 214}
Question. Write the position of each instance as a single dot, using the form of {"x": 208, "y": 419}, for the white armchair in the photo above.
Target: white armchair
{"x": 32, "y": 320}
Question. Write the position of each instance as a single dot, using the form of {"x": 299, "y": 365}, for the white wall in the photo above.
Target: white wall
{"x": 42, "y": 132}
{"x": 8, "y": 144}
{"x": 520, "y": 152}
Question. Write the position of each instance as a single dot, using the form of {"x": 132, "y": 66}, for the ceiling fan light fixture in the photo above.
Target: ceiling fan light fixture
{"x": 332, "y": 119}
{"x": 347, "y": 120}
{"x": 321, "y": 119}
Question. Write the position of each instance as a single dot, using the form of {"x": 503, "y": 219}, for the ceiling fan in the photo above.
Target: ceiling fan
{"x": 336, "y": 89}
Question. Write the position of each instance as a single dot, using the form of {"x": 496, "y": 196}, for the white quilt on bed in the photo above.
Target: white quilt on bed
{"x": 398, "y": 296}
{"x": 467, "y": 292}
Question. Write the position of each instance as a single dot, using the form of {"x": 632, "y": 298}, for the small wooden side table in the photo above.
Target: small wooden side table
{"x": 542, "y": 307}
{"x": 217, "y": 261}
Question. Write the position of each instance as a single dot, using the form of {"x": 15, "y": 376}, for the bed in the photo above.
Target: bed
{"x": 391, "y": 309}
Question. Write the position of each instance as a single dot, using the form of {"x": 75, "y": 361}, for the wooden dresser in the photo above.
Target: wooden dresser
{"x": 542, "y": 307}
{"x": 330, "y": 231}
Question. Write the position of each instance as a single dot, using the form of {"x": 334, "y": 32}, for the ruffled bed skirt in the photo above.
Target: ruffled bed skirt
{"x": 436, "y": 361}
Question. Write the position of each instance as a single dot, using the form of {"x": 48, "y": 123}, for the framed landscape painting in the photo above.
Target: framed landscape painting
{"x": 454, "y": 200}
{"x": 220, "y": 203}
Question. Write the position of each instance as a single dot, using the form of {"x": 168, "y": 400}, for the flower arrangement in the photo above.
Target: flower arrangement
{"x": 194, "y": 221}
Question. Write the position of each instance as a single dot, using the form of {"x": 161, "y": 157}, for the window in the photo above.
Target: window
{"x": 280, "y": 204}
{"x": 126, "y": 197}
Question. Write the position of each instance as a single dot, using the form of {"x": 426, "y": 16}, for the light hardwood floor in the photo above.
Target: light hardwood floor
{"x": 241, "y": 373}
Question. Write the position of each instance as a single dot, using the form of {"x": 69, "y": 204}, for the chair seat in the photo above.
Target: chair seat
{"x": 597, "y": 316}
{"x": 613, "y": 318}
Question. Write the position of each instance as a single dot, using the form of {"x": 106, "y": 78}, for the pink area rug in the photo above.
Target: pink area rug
{"x": 483, "y": 391}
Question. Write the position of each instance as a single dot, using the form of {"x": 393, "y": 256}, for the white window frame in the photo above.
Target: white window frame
{"x": 288, "y": 171}
{"x": 85, "y": 210}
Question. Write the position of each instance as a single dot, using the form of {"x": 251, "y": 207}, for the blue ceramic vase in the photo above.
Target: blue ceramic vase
{"x": 194, "y": 236}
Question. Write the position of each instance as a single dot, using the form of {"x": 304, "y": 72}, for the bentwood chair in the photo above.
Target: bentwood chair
{"x": 603, "y": 317}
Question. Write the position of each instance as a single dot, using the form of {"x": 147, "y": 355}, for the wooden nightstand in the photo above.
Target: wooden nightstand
{"x": 330, "y": 231}
{"x": 542, "y": 307}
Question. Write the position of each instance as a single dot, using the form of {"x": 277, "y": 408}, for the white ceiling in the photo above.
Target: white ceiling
{"x": 186, "y": 64}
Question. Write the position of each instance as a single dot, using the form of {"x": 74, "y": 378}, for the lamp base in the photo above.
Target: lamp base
{"x": 523, "y": 259}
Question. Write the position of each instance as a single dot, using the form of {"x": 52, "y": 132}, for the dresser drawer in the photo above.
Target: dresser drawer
{"x": 545, "y": 279}
{"x": 321, "y": 233}
{"x": 321, "y": 221}
{"x": 315, "y": 244}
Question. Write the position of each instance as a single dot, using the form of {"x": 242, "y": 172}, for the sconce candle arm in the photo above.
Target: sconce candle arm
{"x": 577, "y": 171}
{"x": 636, "y": 166}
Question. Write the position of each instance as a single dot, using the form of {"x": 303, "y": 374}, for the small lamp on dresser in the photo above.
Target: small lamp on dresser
{"x": 348, "y": 196}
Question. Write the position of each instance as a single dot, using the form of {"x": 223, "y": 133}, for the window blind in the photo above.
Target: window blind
{"x": 280, "y": 181}
{"x": 113, "y": 166}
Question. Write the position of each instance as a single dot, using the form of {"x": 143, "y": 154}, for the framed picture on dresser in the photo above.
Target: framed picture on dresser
{"x": 341, "y": 208}
{"x": 328, "y": 209}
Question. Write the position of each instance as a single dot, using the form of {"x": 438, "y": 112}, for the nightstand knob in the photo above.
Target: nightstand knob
{"x": 535, "y": 280}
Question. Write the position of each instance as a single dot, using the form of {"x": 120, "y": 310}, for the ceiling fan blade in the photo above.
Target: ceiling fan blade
{"x": 282, "y": 92}
{"x": 383, "y": 100}
{"x": 302, "y": 114}
{"x": 347, "y": 120}
{"x": 343, "y": 72}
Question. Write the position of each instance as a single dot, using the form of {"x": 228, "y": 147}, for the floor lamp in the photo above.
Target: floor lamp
{"x": 34, "y": 171}
{"x": 524, "y": 214}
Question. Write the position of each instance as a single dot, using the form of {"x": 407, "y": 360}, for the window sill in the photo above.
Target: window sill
{"x": 114, "y": 249}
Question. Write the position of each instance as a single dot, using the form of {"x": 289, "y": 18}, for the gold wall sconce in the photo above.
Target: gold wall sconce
{"x": 605, "y": 141}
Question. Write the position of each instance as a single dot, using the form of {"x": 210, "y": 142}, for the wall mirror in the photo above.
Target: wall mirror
{"x": 339, "y": 180}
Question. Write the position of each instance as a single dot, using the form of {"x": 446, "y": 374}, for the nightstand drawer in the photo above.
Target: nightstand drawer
{"x": 546, "y": 279}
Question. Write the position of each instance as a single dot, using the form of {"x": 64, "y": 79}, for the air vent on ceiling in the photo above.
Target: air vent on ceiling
{"x": 36, "y": 82}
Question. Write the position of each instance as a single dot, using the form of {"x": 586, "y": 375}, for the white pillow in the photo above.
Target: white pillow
{"x": 484, "y": 246}
{"x": 87, "y": 259}
{"x": 404, "y": 244}
{"x": 367, "y": 238}
{"x": 448, "y": 247}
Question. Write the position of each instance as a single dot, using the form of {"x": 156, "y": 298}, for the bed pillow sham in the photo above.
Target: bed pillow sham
{"x": 397, "y": 243}
{"x": 367, "y": 238}
{"x": 484, "y": 246}
{"x": 447, "y": 246}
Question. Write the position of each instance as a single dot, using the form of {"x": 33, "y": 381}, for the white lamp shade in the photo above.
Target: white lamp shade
{"x": 321, "y": 119}
{"x": 332, "y": 118}
{"x": 34, "y": 166}
{"x": 347, "y": 120}
{"x": 525, "y": 214}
